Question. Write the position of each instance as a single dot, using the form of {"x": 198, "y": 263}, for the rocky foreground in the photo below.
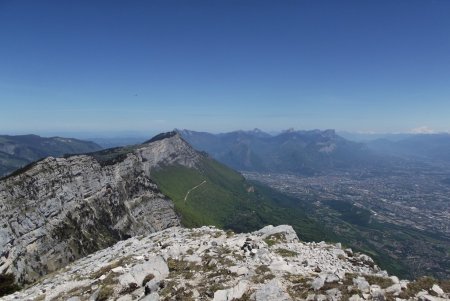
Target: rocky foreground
{"x": 210, "y": 264}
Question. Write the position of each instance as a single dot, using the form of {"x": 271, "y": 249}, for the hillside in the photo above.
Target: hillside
{"x": 18, "y": 151}
{"x": 300, "y": 152}
{"x": 55, "y": 211}
{"x": 213, "y": 194}
{"x": 211, "y": 264}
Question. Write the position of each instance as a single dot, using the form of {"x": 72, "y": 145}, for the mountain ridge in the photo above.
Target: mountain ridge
{"x": 301, "y": 152}
{"x": 74, "y": 199}
{"x": 18, "y": 151}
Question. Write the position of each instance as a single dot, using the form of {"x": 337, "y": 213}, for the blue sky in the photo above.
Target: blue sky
{"x": 149, "y": 66}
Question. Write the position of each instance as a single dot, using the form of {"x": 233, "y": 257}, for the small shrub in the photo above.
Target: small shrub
{"x": 424, "y": 283}
{"x": 275, "y": 239}
{"x": 262, "y": 274}
{"x": 147, "y": 279}
{"x": 105, "y": 293}
{"x": 129, "y": 289}
{"x": 286, "y": 253}
{"x": 262, "y": 269}
{"x": 381, "y": 281}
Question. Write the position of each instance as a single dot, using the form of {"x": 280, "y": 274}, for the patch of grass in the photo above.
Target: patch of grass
{"x": 445, "y": 285}
{"x": 106, "y": 269}
{"x": 381, "y": 281}
{"x": 168, "y": 286}
{"x": 74, "y": 292}
{"x": 300, "y": 286}
{"x": 262, "y": 269}
{"x": 424, "y": 283}
{"x": 105, "y": 292}
{"x": 297, "y": 279}
{"x": 285, "y": 252}
{"x": 342, "y": 286}
{"x": 184, "y": 268}
{"x": 275, "y": 239}
{"x": 262, "y": 274}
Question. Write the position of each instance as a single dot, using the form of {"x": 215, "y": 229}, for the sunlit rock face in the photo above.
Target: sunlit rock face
{"x": 61, "y": 209}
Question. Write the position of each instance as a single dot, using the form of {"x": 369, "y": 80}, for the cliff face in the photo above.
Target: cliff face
{"x": 210, "y": 264}
{"x": 61, "y": 209}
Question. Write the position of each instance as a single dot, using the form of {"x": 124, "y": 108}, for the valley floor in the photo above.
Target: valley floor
{"x": 402, "y": 219}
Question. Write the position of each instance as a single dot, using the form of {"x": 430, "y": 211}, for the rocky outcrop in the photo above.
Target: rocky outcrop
{"x": 61, "y": 209}
{"x": 210, "y": 264}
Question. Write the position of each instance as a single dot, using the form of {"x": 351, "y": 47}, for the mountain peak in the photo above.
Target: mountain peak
{"x": 162, "y": 136}
{"x": 77, "y": 197}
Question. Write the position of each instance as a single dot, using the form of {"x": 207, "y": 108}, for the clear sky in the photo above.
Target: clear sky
{"x": 116, "y": 66}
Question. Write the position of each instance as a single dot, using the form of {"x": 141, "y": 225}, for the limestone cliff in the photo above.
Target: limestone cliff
{"x": 60, "y": 209}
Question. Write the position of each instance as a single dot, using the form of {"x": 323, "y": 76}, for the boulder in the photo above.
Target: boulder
{"x": 235, "y": 292}
{"x": 438, "y": 290}
{"x": 362, "y": 284}
{"x": 272, "y": 290}
{"x": 317, "y": 283}
{"x": 394, "y": 289}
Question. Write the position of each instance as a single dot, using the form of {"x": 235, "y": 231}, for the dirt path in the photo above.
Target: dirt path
{"x": 189, "y": 191}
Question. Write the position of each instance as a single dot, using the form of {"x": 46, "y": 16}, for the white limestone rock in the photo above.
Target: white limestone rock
{"x": 438, "y": 290}
{"x": 395, "y": 279}
{"x": 233, "y": 293}
{"x": 318, "y": 283}
{"x": 179, "y": 263}
{"x": 362, "y": 284}
{"x": 272, "y": 290}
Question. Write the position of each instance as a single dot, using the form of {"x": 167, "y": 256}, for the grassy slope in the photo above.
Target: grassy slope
{"x": 228, "y": 201}
{"x": 225, "y": 201}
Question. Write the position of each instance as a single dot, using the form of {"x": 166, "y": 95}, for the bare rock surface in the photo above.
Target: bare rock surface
{"x": 210, "y": 264}
{"x": 61, "y": 209}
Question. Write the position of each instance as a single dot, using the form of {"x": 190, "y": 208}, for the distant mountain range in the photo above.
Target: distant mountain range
{"x": 301, "y": 152}
{"x": 17, "y": 151}
{"x": 428, "y": 147}
{"x": 315, "y": 151}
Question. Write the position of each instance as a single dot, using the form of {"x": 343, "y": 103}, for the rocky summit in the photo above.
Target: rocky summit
{"x": 211, "y": 264}
{"x": 60, "y": 209}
